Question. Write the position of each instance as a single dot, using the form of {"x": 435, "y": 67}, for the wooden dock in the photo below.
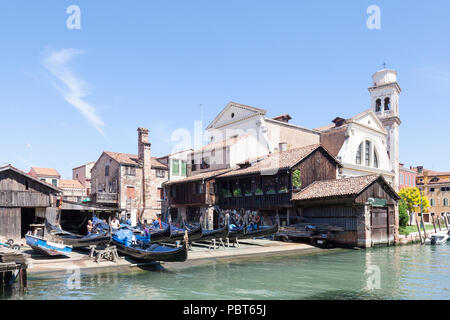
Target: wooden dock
{"x": 13, "y": 267}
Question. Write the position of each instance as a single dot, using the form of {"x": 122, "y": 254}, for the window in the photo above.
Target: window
{"x": 130, "y": 193}
{"x": 378, "y": 105}
{"x": 358, "y": 153}
{"x": 445, "y": 202}
{"x": 107, "y": 170}
{"x": 55, "y": 182}
{"x": 130, "y": 171}
{"x": 26, "y": 184}
{"x": 193, "y": 166}
{"x": 387, "y": 104}
{"x": 183, "y": 168}
{"x": 175, "y": 167}
{"x": 432, "y": 202}
{"x": 442, "y": 188}
{"x": 160, "y": 194}
{"x": 375, "y": 159}
{"x": 205, "y": 163}
{"x": 367, "y": 154}
{"x": 43, "y": 179}
{"x": 160, "y": 173}
{"x": 431, "y": 189}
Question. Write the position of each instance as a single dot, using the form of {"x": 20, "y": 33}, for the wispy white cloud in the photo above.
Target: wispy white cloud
{"x": 73, "y": 89}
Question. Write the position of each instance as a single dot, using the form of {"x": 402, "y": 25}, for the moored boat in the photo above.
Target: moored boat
{"x": 437, "y": 239}
{"x": 194, "y": 233}
{"x": 46, "y": 247}
{"x": 261, "y": 231}
{"x": 127, "y": 244}
{"x": 214, "y": 234}
{"x": 100, "y": 236}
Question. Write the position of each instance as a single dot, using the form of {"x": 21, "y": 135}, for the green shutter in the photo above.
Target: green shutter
{"x": 183, "y": 168}
{"x": 175, "y": 167}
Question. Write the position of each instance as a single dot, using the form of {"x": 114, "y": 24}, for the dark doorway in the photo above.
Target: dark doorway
{"x": 27, "y": 217}
{"x": 75, "y": 221}
{"x": 216, "y": 220}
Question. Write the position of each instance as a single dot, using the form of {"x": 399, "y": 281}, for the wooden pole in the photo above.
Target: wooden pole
{"x": 445, "y": 220}
{"x": 439, "y": 222}
{"x": 418, "y": 227}
{"x": 434, "y": 223}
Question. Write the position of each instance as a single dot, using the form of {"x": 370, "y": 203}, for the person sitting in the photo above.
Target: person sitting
{"x": 115, "y": 224}
{"x": 89, "y": 227}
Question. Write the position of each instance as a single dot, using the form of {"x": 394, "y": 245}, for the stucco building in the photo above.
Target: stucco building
{"x": 47, "y": 175}
{"x": 83, "y": 175}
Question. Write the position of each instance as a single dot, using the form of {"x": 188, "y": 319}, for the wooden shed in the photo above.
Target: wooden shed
{"x": 365, "y": 207}
{"x": 24, "y": 200}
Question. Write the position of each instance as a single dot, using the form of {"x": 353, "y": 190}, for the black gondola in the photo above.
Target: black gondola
{"x": 194, "y": 233}
{"x": 261, "y": 231}
{"x": 76, "y": 240}
{"x": 214, "y": 234}
{"x": 158, "y": 235}
{"x": 152, "y": 252}
{"x": 236, "y": 233}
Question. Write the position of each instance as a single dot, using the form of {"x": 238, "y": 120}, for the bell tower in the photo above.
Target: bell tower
{"x": 384, "y": 97}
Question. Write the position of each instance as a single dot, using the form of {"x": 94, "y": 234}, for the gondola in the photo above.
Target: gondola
{"x": 261, "y": 231}
{"x": 149, "y": 252}
{"x": 214, "y": 234}
{"x": 194, "y": 233}
{"x": 46, "y": 247}
{"x": 155, "y": 235}
{"x": 236, "y": 232}
{"x": 78, "y": 241}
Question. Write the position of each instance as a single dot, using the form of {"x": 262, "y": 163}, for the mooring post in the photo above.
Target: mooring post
{"x": 434, "y": 224}
{"x": 445, "y": 220}
{"x": 418, "y": 228}
{"x": 439, "y": 222}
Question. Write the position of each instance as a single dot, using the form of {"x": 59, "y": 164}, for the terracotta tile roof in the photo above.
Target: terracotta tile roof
{"x": 335, "y": 188}
{"x": 70, "y": 184}
{"x": 200, "y": 176}
{"x": 132, "y": 159}
{"x": 276, "y": 161}
{"x": 334, "y": 139}
{"x": 50, "y": 172}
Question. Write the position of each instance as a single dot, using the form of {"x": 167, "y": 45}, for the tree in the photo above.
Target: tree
{"x": 411, "y": 197}
{"x": 297, "y": 179}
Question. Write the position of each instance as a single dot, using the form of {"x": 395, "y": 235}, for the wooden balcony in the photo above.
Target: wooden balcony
{"x": 264, "y": 201}
{"x": 189, "y": 199}
{"x": 105, "y": 198}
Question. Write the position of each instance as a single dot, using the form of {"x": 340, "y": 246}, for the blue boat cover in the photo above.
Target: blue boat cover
{"x": 124, "y": 236}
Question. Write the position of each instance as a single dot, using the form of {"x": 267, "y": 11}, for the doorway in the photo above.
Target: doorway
{"x": 27, "y": 217}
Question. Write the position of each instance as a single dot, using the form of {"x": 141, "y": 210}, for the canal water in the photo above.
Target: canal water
{"x": 404, "y": 272}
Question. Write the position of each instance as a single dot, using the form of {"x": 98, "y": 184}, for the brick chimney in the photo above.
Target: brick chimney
{"x": 145, "y": 159}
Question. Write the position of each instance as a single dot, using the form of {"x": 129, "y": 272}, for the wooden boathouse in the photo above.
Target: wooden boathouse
{"x": 365, "y": 208}
{"x": 25, "y": 202}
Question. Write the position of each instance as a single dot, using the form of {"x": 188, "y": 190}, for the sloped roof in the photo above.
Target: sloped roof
{"x": 200, "y": 176}
{"x": 221, "y": 144}
{"x": 132, "y": 159}
{"x": 338, "y": 188}
{"x": 239, "y": 105}
{"x": 70, "y": 184}
{"x": 276, "y": 161}
{"x": 10, "y": 167}
{"x": 50, "y": 172}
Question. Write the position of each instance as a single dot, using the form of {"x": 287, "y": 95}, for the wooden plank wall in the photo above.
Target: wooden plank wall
{"x": 316, "y": 167}
{"x": 376, "y": 190}
{"x": 10, "y": 223}
{"x": 24, "y": 199}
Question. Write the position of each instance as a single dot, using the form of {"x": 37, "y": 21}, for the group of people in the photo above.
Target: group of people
{"x": 249, "y": 218}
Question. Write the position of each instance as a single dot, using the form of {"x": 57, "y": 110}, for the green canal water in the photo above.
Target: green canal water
{"x": 405, "y": 272}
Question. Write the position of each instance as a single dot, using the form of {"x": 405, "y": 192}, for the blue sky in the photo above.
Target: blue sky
{"x": 165, "y": 64}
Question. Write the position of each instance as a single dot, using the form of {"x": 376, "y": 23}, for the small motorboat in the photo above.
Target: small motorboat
{"x": 259, "y": 231}
{"x": 437, "y": 239}
{"x": 128, "y": 244}
{"x": 97, "y": 237}
{"x": 48, "y": 248}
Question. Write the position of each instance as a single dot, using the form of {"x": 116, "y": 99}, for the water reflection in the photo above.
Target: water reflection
{"x": 407, "y": 272}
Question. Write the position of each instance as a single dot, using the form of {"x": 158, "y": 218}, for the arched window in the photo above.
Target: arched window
{"x": 367, "y": 153}
{"x": 387, "y": 104}
{"x": 378, "y": 105}
{"x": 358, "y": 153}
{"x": 445, "y": 202}
{"x": 432, "y": 202}
{"x": 375, "y": 158}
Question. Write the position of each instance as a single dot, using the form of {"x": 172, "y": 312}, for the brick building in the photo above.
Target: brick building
{"x": 130, "y": 183}
{"x": 407, "y": 177}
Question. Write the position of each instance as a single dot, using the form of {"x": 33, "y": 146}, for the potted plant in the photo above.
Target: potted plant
{"x": 259, "y": 192}
{"x": 270, "y": 191}
{"x": 237, "y": 192}
{"x": 226, "y": 193}
{"x": 283, "y": 190}
{"x": 248, "y": 193}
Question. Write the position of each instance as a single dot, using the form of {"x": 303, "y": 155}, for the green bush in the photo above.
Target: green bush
{"x": 403, "y": 214}
{"x": 297, "y": 179}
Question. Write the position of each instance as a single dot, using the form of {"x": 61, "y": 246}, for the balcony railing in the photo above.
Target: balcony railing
{"x": 256, "y": 201}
